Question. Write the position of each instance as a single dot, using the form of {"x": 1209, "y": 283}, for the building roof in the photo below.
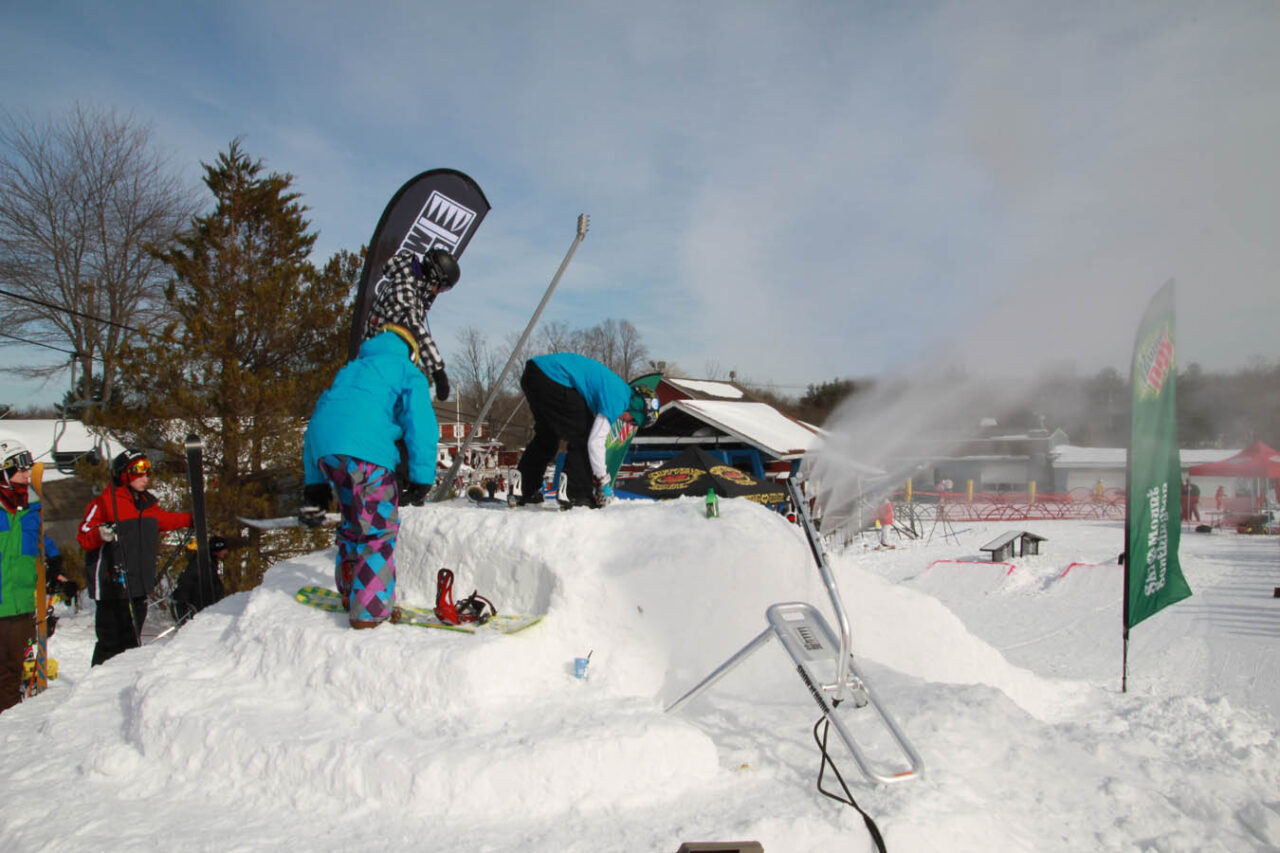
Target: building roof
{"x": 1071, "y": 456}
{"x": 756, "y": 424}
{"x": 708, "y": 389}
{"x": 711, "y": 412}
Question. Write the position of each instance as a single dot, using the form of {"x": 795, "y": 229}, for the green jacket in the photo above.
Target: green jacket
{"x": 19, "y": 545}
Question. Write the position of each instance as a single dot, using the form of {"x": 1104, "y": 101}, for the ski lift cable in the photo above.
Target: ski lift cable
{"x": 39, "y": 344}
{"x": 72, "y": 311}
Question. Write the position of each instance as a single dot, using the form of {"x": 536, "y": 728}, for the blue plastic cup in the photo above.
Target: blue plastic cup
{"x": 580, "y": 667}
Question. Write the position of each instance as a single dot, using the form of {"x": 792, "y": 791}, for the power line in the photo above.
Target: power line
{"x": 67, "y": 310}
{"x": 71, "y": 353}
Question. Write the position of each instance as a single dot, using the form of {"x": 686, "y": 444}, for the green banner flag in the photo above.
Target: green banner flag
{"x": 1154, "y": 525}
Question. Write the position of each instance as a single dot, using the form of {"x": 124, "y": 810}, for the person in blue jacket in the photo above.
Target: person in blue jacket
{"x": 575, "y": 399}
{"x": 376, "y": 400}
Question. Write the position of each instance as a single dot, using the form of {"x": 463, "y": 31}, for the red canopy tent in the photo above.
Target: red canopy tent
{"x": 1257, "y": 460}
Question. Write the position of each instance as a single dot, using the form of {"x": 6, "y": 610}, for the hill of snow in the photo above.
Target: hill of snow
{"x": 265, "y": 724}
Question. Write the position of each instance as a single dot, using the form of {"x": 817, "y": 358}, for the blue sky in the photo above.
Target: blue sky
{"x": 795, "y": 191}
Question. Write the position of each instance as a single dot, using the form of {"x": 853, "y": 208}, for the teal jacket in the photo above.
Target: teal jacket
{"x": 19, "y": 544}
{"x": 375, "y": 400}
{"x": 605, "y": 392}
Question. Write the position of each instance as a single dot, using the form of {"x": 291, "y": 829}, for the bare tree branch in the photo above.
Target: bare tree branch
{"x": 83, "y": 198}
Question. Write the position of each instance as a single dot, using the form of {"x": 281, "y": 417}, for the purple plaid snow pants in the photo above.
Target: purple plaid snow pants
{"x": 369, "y": 500}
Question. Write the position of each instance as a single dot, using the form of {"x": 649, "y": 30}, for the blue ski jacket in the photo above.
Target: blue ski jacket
{"x": 606, "y": 394}
{"x": 375, "y": 400}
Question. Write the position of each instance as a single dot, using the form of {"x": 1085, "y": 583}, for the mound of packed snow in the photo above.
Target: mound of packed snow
{"x": 266, "y": 724}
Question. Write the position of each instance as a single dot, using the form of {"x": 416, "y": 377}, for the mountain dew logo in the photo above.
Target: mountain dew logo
{"x": 1153, "y": 363}
{"x": 622, "y": 431}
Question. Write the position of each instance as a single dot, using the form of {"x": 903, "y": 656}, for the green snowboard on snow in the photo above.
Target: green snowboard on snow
{"x": 326, "y": 599}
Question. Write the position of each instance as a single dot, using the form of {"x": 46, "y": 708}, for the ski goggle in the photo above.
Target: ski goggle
{"x": 139, "y": 467}
{"x": 20, "y": 462}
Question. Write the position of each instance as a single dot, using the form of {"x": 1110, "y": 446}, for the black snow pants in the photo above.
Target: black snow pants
{"x": 559, "y": 414}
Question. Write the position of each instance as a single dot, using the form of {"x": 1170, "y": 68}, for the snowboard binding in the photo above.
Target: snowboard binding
{"x": 474, "y": 608}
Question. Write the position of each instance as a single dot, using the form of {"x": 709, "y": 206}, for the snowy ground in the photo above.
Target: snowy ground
{"x": 266, "y": 725}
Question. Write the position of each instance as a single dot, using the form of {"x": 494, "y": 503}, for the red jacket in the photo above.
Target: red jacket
{"x": 884, "y": 513}
{"x": 131, "y": 504}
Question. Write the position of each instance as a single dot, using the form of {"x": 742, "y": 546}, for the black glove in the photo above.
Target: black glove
{"x": 442, "y": 385}
{"x": 318, "y": 494}
{"x": 414, "y": 494}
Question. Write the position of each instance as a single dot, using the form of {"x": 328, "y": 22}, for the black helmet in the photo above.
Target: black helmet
{"x": 441, "y": 268}
{"x": 133, "y": 462}
{"x": 217, "y": 543}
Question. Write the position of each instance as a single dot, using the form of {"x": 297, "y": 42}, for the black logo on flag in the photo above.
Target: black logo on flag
{"x": 442, "y": 221}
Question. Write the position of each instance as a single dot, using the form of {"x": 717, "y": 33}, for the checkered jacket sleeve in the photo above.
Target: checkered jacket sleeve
{"x": 403, "y": 299}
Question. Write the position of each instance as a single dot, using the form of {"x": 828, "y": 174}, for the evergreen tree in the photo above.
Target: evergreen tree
{"x": 819, "y": 401}
{"x": 259, "y": 333}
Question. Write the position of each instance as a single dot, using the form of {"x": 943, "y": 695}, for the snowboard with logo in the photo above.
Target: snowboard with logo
{"x": 623, "y": 430}
{"x": 326, "y": 599}
{"x": 440, "y": 207}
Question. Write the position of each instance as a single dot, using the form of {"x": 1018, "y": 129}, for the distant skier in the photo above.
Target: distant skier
{"x": 188, "y": 596}
{"x": 576, "y": 399}
{"x": 19, "y": 547}
{"x": 120, "y": 534}
{"x": 376, "y": 400}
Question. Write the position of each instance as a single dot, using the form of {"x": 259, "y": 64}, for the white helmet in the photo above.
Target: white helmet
{"x": 14, "y": 457}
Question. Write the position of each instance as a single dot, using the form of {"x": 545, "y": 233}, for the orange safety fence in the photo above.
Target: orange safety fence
{"x": 1017, "y": 506}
